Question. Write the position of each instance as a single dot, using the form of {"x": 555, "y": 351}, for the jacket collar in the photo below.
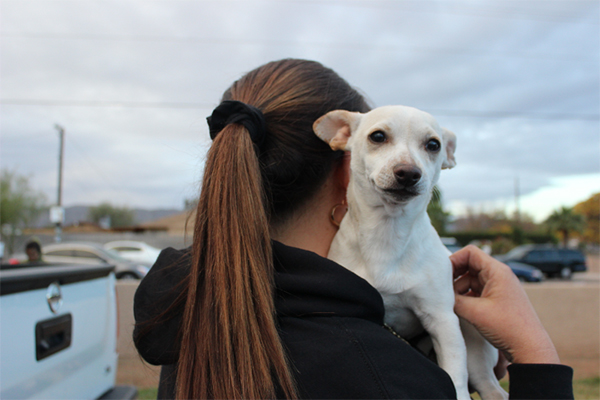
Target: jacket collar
{"x": 310, "y": 285}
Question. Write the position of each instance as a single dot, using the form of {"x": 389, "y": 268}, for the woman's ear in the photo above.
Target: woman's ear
{"x": 342, "y": 174}
{"x": 346, "y": 169}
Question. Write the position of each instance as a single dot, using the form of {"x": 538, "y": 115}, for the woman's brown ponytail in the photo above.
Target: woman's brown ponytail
{"x": 230, "y": 347}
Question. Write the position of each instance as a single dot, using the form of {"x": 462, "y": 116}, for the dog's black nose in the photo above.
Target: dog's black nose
{"x": 407, "y": 175}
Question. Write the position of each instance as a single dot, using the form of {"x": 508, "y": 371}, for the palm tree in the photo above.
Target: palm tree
{"x": 565, "y": 221}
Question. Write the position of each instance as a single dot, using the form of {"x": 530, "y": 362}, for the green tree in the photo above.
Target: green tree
{"x": 565, "y": 221}
{"x": 439, "y": 217}
{"x": 20, "y": 205}
{"x": 119, "y": 216}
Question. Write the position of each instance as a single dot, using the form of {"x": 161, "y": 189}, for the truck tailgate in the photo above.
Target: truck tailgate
{"x": 69, "y": 353}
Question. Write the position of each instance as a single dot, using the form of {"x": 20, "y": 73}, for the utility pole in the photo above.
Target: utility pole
{"x": 57, "y": 216}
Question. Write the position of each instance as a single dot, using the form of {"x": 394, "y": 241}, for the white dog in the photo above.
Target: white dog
{"x": 387, "y": 237}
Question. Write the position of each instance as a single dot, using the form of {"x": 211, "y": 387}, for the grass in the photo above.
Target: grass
{"x": 147, "y": 393}
{"x": 583, "y": 389}
{"x": 587, "y": 388}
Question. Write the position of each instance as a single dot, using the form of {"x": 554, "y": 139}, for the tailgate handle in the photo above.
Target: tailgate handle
{"x": 52, "y": 335}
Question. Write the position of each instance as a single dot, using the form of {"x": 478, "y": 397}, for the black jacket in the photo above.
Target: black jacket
{"x": 331, "y": 324}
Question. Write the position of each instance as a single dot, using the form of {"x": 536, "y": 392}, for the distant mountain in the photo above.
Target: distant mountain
{"x": 143, "y": 216}
{"x": 181, "y": 223}
{"x": 74, "y": 214}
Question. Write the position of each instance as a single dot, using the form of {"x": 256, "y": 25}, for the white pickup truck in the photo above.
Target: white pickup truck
{"x": 58, "y": 333}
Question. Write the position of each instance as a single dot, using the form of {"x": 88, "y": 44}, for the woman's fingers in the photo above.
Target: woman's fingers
{"x": 462, "y": 284}
{"x": 467, "y": 259}
{"x": 466, "y": 283}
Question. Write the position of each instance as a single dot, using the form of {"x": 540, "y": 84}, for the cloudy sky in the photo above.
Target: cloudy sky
{"x": 132, "y": 81}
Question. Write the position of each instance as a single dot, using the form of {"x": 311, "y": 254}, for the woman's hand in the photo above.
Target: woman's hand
{"x": 489, "y": 296}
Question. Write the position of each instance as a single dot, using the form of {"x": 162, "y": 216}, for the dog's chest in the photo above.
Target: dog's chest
{"x": 406, "y": 271}
{"x": 387, "y": 274}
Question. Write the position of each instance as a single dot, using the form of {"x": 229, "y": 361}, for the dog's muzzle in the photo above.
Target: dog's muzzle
{"x": 407, "y": 177}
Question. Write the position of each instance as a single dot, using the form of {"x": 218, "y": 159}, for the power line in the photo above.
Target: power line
{"x": 515, "y": 114}
{"x": 106, "y": 104}
{"x": 491, "y": 114}
{"x": 469, "y": 9}
{"x": 460, "y": 8}
{"x": 286, "y": 43}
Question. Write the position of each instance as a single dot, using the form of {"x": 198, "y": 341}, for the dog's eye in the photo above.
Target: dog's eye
{"x": 378, "y": 137}
{"x": 433, "y": 145}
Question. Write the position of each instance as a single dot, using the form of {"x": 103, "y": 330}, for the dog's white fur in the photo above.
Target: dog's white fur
{"x": 387, "y": 238}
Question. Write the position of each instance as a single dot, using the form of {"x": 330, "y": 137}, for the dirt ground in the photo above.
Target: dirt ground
{"x": 132, "y": 370}
{"x": 593, "y": 263}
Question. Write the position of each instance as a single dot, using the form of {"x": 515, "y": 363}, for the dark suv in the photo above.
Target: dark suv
{"x": 550, "y": 260}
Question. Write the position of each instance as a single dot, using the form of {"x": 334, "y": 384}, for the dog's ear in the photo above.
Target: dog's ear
{"x": 336, "y": 127}
{"x": 450, "y": 142}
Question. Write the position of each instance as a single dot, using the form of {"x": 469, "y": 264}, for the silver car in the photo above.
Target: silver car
{"x": 134, "y": 251}
{"x": 93, "y": 253}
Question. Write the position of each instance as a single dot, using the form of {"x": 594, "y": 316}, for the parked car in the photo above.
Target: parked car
{"x": 552, "y": 261}
{"x": 94, "y": 253}
{"x": 526, "y": 273}
{"x": 134, "y": 251}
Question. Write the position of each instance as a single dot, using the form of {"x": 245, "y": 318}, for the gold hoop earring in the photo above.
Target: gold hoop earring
{"x": 334, "y": 209}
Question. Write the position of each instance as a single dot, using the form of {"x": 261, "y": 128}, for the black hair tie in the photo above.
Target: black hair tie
{"x": 236, "y": 112}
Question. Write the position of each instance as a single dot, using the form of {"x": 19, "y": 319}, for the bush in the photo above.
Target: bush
{"x": 117, "y": 216}
{"x": 502, "y": 245}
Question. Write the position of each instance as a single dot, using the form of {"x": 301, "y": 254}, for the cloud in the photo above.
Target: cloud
{"x": 132, "y": 81}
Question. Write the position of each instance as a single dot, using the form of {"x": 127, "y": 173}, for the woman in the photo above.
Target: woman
{"x": 254, "y": 310}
